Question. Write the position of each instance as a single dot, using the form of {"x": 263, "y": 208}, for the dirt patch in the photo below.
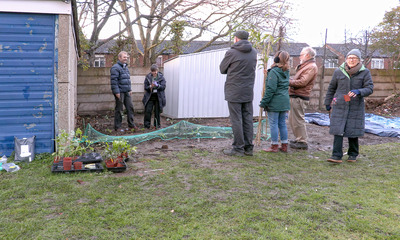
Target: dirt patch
{"x": 319, "y": 137}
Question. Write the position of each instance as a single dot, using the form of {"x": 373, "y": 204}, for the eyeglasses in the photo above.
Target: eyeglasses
{"x": 352, "y": 58}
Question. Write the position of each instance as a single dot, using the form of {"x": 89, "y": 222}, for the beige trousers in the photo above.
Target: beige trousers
{"x": 296, "y": 118}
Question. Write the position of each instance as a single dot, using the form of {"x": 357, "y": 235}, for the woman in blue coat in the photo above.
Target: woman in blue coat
{"x": 154, "y": 96}
{"x": 276, "y": 100}
{"x": 350, "y": 83}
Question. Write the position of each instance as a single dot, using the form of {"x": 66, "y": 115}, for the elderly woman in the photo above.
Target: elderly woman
{"x": 276, "y": 100}
{"x": 350, "y": 83}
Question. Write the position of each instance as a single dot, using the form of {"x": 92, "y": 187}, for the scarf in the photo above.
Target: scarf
{"x": 353, "y": 70}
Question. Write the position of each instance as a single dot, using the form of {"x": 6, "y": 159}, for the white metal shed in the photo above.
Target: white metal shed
{"x": 195, "y": 86}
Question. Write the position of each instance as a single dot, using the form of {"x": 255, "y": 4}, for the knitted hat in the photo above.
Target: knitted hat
{"x": 241, "y": 34}
{"x": 355, "y": 52}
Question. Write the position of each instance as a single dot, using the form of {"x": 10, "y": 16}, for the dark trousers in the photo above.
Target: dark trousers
{"x": 337, "y": 152}
{"x": 153, "y": 103}
{"x": 241, "y": 116}
{"x": 124, "y": 100}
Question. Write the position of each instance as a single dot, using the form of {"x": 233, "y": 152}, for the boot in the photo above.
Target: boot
{"x": 273, "y": 148}
{"x": 283, "y": 147}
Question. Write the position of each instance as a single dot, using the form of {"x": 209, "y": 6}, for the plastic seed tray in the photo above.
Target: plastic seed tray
{"x": 88, "y": 167}
{"x": 90, "y": 158}
{"x": 117, "y": 169}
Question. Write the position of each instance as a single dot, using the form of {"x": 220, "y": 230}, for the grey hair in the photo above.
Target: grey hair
{"x": 122, "y": 53}
{"x": 310, "y": 51}
{"x": 154, "y": 68}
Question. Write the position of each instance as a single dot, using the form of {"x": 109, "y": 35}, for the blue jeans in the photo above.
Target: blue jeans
{"x": 277, "y": 124}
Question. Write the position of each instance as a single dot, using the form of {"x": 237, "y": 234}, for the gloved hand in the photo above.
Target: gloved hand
{"x": 328, "y": 107}
{"x": 355, "y": 91}
{"x": 265, "y": 107}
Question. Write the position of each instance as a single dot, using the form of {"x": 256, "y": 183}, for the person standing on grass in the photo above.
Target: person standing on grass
{"x": 350, "y": 83}
{"x": 239, "y": 64}
{"x": 121, "y": 89}
{"x": 300, "y": 89}
{"x": 276, "y": 100}
{"x": 154, "y": 96}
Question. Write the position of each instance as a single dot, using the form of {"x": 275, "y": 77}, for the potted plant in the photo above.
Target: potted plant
{"x": 69, "y": 146}
{"x": 116, "y": 154}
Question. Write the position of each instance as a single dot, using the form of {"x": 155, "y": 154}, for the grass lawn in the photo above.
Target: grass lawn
{"x": 203, "y": 195}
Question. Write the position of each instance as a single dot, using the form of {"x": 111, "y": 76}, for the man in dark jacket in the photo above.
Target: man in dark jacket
{"x": 121, "y": 88}
{"x": 154, "y": 96}
{"x": 239, "y": 64}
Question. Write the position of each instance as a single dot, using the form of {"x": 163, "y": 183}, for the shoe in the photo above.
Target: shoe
{"x": 299, "y": 145}
{"x": 232, "y": 152}
{"x": 334, "y": 160}
{"x": 273, "y": 148}
{"x": 352, "y": 159}
{"x": 292, "y": 141}
{"x": 283, "y": 147}
{"x": 134, "y": 127}
{"x": 248, "y": 152}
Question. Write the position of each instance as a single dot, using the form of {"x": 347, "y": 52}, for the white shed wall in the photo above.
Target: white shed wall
{"x": 195, "y": 86}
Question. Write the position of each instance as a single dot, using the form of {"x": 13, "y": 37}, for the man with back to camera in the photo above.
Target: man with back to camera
{"x": 300, "y": 87}
{"x": 121, "y": 89}
{"x": 239, "y": 64}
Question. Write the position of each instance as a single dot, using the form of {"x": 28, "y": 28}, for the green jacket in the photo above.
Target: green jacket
{"x": 276, "y": 96}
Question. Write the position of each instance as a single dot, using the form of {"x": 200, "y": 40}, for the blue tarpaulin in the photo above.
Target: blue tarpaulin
{"x": 374, "y": 124}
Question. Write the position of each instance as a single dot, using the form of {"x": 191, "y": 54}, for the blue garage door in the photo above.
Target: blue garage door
{"x": 27, "y": 63}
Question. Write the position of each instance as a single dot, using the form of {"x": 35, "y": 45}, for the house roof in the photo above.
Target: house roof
{"x": 188, "y": 48}
{"x": 344, "y": 48}
{"x": 329, "y": 53}
{"x": 292, "y": 48}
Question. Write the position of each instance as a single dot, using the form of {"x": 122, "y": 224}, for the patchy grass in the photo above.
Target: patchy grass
{"x": 202, "y": 195}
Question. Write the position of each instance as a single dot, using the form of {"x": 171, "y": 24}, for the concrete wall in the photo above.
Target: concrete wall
{"x": 66, "y": 100}
{"x": 94, "y": 90}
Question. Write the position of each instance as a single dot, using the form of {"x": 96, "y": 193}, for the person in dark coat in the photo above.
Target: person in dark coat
{"x": 350, "y": 83}
{"x": 239, "y": 64}
{"x": 121, "y": 89}
{"x": 154, "y": 96}
{"x": 276, "y": 100}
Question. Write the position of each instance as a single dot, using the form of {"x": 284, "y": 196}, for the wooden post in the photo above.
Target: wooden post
{"x": 321, "y": 82}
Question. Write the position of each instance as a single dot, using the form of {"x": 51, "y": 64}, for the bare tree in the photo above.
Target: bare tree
{"x": 386, "y": 38}
{"x": 153, "y": 20}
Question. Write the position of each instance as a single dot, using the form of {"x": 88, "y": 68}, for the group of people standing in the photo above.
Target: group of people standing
{"x": 153, "y": 99}
{"x": 350, "y": 83}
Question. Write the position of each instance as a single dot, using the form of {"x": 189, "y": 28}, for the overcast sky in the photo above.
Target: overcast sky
{"x": 315, "y": 16}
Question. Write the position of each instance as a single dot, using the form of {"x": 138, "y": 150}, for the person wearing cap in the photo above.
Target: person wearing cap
{"x": 350, "y": 83}
{"x": 154, "y": 96}
{"x": 239, "y": 64}
{"x": 301, "y": 85}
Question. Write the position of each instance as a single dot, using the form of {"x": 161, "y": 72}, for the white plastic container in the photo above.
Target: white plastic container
{"x": 3, "y": 159}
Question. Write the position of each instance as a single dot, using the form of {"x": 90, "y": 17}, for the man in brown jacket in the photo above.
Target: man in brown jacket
{"x": 300, "y": 87}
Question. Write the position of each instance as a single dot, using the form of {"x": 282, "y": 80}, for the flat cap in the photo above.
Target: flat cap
{"x": 242, "y": 35}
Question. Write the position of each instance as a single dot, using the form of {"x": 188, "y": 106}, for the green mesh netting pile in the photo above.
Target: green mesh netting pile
{"x": 180, "y": 130}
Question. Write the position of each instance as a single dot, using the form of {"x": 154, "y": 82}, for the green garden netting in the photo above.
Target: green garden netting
{"x": 180, "y": 130}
